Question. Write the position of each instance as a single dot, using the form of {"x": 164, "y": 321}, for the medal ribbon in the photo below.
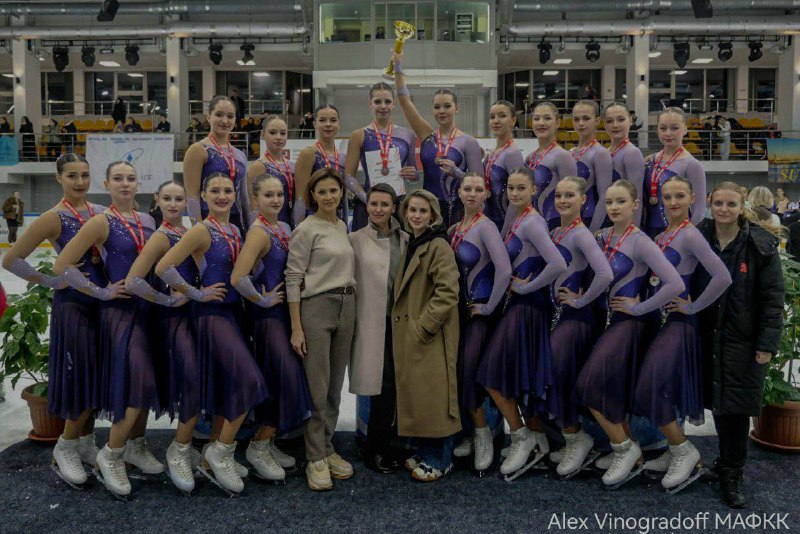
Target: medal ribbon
{"x": 442, "y": 153}
{"x": 75, "y": 213}
{"x": 513, "y": 229}
{"x": 287, "y": 173}
{"x": 138, "y": 240}
{"x": 168, "y": 226}
{"x": 384, "y": 148}
{"x": 557, "y": 238}
{"x": 534, "y": 162}
{"x": 578, "y": 154}
{"x": 628, "y": 231}
{"x": 230, "y": 159}
{"x": 276, "y": 231}
{"x": 233, "y": 244}
{"x": 458, "y": 235}
{"x": 620, "y": 147}
{"x": 328, "y": 163}
{"x": 655, "y": 176}
{"x": 493, "y": 156}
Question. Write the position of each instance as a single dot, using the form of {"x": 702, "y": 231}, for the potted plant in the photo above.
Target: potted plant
{"x": 778, "y": 426}
{"x": 24, "y": 352}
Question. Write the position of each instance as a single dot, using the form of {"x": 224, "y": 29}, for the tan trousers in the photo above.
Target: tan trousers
{"x": 328, "y": 324}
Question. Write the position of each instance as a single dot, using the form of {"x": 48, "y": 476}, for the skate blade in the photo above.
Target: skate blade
{"x": 652, "y": 474}
{"x": 483, "y": 473}
{"x": 55, "y": 468}
{"x": 585, "y": 466}
{"x": 513, "y": 476}
{"x": 99, "y": 476}
{"x": 688, "y": 482}
{"x": 210, "y": 477}
{"x": 183, "y": 491}
{"x": 636, "y": 471}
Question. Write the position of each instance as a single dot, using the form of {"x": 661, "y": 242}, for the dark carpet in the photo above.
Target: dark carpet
{"x": 34, "y": 499}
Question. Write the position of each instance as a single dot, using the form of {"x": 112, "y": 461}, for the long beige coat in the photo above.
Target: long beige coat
{"x": 425, "y": 341}
{"x": 372, "y": 276}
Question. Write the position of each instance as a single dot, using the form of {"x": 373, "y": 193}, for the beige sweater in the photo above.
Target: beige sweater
{"x": 320, "y": 258}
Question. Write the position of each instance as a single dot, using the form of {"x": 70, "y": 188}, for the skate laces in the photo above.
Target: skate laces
{"x": 183, "y": 463}
{"x": 616, "y": 460}
{"x": 144, "y": 453}
{"x": 117, "y": 467}
{"x": 228, "y": 465}
{"x": 73, "y": 461}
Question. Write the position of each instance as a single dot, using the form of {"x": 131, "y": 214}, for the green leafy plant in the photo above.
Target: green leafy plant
{"x": 24, "y": 351}
{"x": 779, "y": 384}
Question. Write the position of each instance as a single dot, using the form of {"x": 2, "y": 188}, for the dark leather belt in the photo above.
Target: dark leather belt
{"x": 346, "y": 290}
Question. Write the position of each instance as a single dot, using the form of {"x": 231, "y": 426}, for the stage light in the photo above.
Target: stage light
{"x": 681, "y": 54}
{"x": 592, "y": 51}
{"x": 725, "y": 51}
{"x": 755, "y": 51}
{"x": 132, "y": 55}
{"x": 215, "y": 53}
{"x": 108, "y": 10}
{"x": 248, "y": 58}
{"x": 87, "y": 55}
{"x": 544, "y": 51}
{"x": 702, "y": 9}
{"x": 60, "y": 57}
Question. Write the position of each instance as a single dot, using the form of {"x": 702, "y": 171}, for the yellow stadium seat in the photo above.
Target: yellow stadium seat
{"x": 98, "y": 125}
{"x": 567, "y": 123}
{"x": 693, "y": 148}
{"x": 147, "y": 125}
{"x": 562, "y": 136}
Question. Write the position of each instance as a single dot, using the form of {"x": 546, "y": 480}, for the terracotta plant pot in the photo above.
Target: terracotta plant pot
{"x": 46, "y": 426}
{"x": 778, "y": 426}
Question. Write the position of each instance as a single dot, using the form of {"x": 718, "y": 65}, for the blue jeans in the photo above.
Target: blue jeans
{"x": 436, "y": 452}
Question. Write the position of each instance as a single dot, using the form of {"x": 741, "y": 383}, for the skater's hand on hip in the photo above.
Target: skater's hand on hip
{"x": 623, "y": 304}
{"x": 214, "y": 293}
{"x": 118, "y": 290}
{"x": 680, "y": 305}
{"x": 763, "y": 357}
{"x": 566, "y": 297}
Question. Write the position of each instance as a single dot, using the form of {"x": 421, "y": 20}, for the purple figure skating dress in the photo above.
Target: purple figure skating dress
{"x": 549, "y": 166}
{"x": 497, "y": 166}
{"x": 594, "y": 166}
{"x": 220, "y": 162}
{"x": 657, "y": 171}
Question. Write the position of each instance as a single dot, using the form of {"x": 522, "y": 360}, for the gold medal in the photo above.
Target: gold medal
{"x": 654, "y": 281}
{"x": 95, "y": 259}
{"x": 438, "y": 160}
{"x": 653, "y": 201}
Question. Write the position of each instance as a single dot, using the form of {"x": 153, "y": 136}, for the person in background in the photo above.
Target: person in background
{"x": 5, "y": 127}
{"x": 724, "y": 128}
{"x": 194, "y": 129}
{"x": 163, "y": 124}
{"x": 131, "y": 126}
{"x": 781, "y": 201}
{"x": 119, "y": 113}
{"x": 118, "y": 128}
{"x": 761, "y": 197}
{"x": 71, "y": 132}
{"x": 13, "y": 213}
{"x": 53, "y": 139}
{"x": 28, "y": 138}
{"x": 238, "y": 102}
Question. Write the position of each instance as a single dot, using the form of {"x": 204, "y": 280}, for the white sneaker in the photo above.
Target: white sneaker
{"x": 660, "y": 464}
{"x": 484, "y": 448}
{"x": 284, "y": 460}
{"x": 138, "y": 455}
{"x": 685, "y": 458}
{"x": 624, "y": 459}
{"x": 579, "y": 444}
{"x": 68, "y": 460}
{"x": 88, "y": 449}
{"x": 259, "y": 455}
{"x": 604, "y": 462}
{"x": 218, "y": 458}
{"x": 241, "y": 470}
{"x": 464, "y": 448}
{"x": 318, "y": 475}
{"x": 522, "y": 443}
{"x": 179, "y": 462}
{"x": 111, "y": 465}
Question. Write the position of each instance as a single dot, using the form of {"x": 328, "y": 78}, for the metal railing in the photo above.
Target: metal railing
{"x": 701, "y": 106}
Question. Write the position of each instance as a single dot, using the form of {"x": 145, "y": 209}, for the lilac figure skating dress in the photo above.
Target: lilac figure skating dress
{"x": 670, "y": 382}
{"x": 128, "y": 358}
{"x": 73, "y": 379}
{"x": 588, "y": 274}
{"x": 289, "y": 403}
{"x": 517, "y": 362}
{"x": 218, "y": 162}
{"x": 497, "y": 166}
{"x": 607, "y": 380}
{"x": 232, "y": 381}
{"x": 657, "y": 171}
{"x": 548, "y": 168}
{"x": 594, "y": 166}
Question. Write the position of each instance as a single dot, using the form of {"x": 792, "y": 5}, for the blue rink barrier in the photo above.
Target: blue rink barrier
{"x": 9, "y": 154}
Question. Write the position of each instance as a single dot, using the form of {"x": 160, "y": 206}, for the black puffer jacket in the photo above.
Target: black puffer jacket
{"x": 746, "y": 318}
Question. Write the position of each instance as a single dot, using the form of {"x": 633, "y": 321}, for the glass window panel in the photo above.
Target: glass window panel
{"x": 620, "y": 85}
{"x": 404, "y": 12}
{"x": 345, "y": 22}
{"x": 6, "y": 83}
{"x": 157, "y": 91}
{"x": 195, "y": 92}
{"x": 103, "y": 92}
{"x": 126, "y": 82}
{"x": 689, "y": 90}
{"x": 59, "y": 93}
{"x": 550, "y": 86}
{"x": 717, "y": 81}
{"x": 380, "y": 22}
{"x": 294, "y": 94}
{"x": 660, "y": 79}
{"x": 521, "y": 89}
{"x": 308, "y": 94}
{"x": 266, "y": 92}
{"x": 762, "y": 89}
{"x": 463, "y": 21}
{"x": 582, "y": 84}
{"x": 425, "y": 20}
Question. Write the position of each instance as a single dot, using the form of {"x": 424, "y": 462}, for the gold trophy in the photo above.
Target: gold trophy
{"x": 403, "y": 31}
